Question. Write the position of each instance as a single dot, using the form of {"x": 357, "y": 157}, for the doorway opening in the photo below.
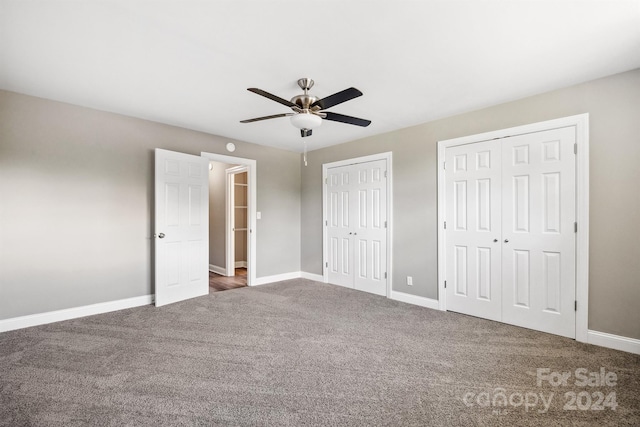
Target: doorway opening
{"x": 232, "y": 196}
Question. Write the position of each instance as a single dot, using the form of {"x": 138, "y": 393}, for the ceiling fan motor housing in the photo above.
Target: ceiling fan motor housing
{"x": 304, "y": 101}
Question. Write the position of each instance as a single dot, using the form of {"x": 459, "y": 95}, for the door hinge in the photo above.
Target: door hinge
{"x": 326, "y": 264}
{"x": 445, "y": 284}
{"x": 575, "y": 227}
{"x": 385, "y": 174}
{"x": 575, "y": 148}
{"x": 575, "y": 305}
{"x": 326, "y": 222}
{"x": 385, "y": 224}
{"x": 385, "y": 275}
{"x": 444, "y": 165}
{"x": 326, "y": 180}
{"x": 445, "y": 225}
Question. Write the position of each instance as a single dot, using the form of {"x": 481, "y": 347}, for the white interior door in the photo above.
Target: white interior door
{"x": 339, "y": 232}
{"x": 473, "y": 229}
{"x": 510, "y": 244}
{"x": 369, "y": 219}
{"x": 539, "y": 243}
{"x": 181, "y": 226}
{"x": 356, "y": 226}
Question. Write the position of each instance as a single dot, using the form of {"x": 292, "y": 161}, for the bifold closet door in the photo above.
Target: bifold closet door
{"x": 340, "y": 199}
{"x": 510, "y": 239}
{"x": 357, "y": 226}
{"x": 370, "y": 227}
{"x": 539, "y": 243}
{"x": 473, "y": 227}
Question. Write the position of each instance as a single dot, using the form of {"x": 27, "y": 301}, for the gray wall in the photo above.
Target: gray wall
{"x": 614, "y": 107}
{"x": 76, "y": 193}
{"x": 76, "y": 198}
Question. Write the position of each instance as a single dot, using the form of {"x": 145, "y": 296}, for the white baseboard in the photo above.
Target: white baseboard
{"x": 73, "y": 313}
{"x": 615, "y": 342}
{"x": 218, "y": 270}
{"x": 241, "y": 264}
{"x": 312, "y": 276}
{"x": 277, "y": 278}
{"x": 415, "y": 300}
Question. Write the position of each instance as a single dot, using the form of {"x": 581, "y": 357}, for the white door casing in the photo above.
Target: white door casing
{"x": 473, "y": 229}
{"x": 181, "y": 226}
{"x": 540, "y": 201}
{"x": 230, "y": 226}
{"x": 356, "y": 214}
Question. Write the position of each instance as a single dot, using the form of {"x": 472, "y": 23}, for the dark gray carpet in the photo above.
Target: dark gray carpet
{"x": 302, "y": 353}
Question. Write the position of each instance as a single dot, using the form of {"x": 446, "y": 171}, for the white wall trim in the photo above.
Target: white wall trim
{"x": 241, "y": 264}
{"x": 73, "y": 313}
{"x": 415, "y": 300}
{"x": 582, "y": 218}
{"x": 388, "y": 156}
{"x": 217, "y": 269}
{"x": 230, "y": 217}
{"x": 616, "y": 342}
{"x": 277, "y": 278}
{"x": 581, "y": 124}
{"x": 312, "y": 276}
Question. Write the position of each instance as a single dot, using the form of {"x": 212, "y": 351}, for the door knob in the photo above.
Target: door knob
{"x": 161, "y": 235}
{"x": 495, "y": 240}
{"x": 506, "y": 240}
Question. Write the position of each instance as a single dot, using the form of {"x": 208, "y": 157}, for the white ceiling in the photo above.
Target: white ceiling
{"x": 188, "y": 63}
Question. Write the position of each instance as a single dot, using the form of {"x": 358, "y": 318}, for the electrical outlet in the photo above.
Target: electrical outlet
{"x": 409, "y": 281}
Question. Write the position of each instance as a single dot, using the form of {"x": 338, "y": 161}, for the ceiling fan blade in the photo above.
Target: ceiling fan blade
{"x": 346, "y": 119}
{"x": 337, "y": 98}
{"x": 257, "y": 119}
{"x": 272, "y": 97}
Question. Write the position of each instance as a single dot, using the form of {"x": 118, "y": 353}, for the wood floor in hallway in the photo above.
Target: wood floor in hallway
{"x": 218, "y": 282}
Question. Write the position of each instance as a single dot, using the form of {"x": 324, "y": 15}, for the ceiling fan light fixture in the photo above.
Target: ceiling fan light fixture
{"x": 308, "y": 110}
{"x": 306, "y": 121}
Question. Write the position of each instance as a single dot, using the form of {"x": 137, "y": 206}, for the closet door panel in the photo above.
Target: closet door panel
{"x": 370, "y": 231}
{"x": 538, "y": 266}
{"x": 339, "y": 202}
{"x": 473, "y": 248}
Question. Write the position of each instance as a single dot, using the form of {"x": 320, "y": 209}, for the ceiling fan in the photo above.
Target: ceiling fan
{"x": 309, "y": 110}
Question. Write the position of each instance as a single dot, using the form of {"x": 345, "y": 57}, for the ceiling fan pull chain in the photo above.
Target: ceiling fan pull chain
{"x": 305, "y": 152}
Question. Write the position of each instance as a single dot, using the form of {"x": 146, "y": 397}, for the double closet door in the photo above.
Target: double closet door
{"x": 510, "y": 242}
{"x": 357, "y": 226}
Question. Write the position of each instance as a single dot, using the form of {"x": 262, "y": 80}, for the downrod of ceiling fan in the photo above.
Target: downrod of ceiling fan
{"x": 305, "y": 84}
